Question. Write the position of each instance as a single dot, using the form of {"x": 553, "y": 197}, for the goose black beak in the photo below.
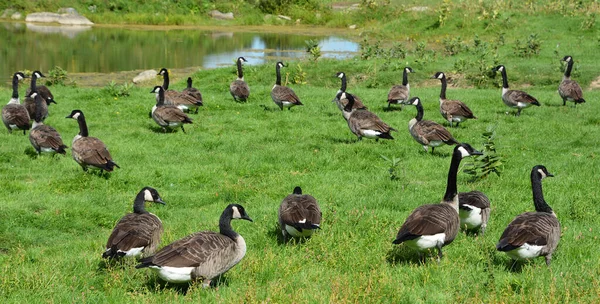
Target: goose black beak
{"x": 51, "y": 101}
{"x": 475, "y": 152}
{"x": 549, "y": 175}
{"x": 245, "y": 217}
{"x": 160, "y": 201}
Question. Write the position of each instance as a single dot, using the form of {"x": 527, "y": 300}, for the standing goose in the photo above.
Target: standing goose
{"x": 136, "y": 233}
{"x": 474, "y": 210}
{"x": 30, "y": 102}
{"x": 184, "y": 101}
{"x": 14, "y": 114}
{"x": 193, "y": 92}
{"x": 452, "y": 110}
{"x": 167, "y": 116}
{"x": 44, "y": 138}
{"x": 299, "y": 215}
{"x": 399, "y": 94}
{"x": 436, "y": 225}
{"x": 89, "y": 152}
{"x": 283, "y": 96}
{"x": 202, "y": 255}
{"x": 570, "y": 89}
{"x": 426, "y": 132}
{"x": 532, "y": 234}
{"x": 341, "y": 103}
{"x": 364, "y": 123}
{"x": 239, "y": 89}
{"x": 44, "y": 92}
{"x": 514, "y": 98}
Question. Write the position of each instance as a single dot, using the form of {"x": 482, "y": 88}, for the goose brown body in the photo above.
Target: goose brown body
{"x": 14, "y": 115}
{"x": 474, "y": 210}
{"x": 168, "y": 116}
{"x": 515, "y": 98}
{"x": 89, "y": 152}
{"x": 399, "y": 94}
{"x": 283, "y": 96}
{"x": 426, "y": 132}
{"x": 452, "y": 110}
{"x": 183, "y": 100}
{"x": 569, "y": 90}
{"x": 343, "y": 102}
{"x": 299, "y": 215}
{"x": 239, "y": 89}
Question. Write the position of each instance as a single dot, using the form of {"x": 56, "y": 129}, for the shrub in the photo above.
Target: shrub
{"x": 115, "y": 90}
{"x": 57, "y": 76}
{"x": 490, "y": 162}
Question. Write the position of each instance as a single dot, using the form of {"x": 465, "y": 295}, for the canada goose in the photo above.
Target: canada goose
{"x": 89, "y": 152}
{"x": 473, "y": 210}
{"x": 202, "y": 255}
{"x": 30, "y": 102}
{"x": 194, "y": 92}
{"x": 436, "y": 225}
{"x": 184, "y": 101}
{"x": 452, "y": 110}
{"x": 570, "y": 89}
{"x": 514, "y": 98}
{"x": 283, "y": 96}
{"x": 44, "y": 92}
{"x": 299, "y": 215}
{"x": 167, "y": 116}
{"x": 239, "y": 89}
{"x": 136, "y": 233}
{"x": 532, "y": 234}
{"x": 426, "y": 132}
{"x": 14, "y": 114}
{"x": 364, "y": 123}
{"x": 341, "y": 103}
{"x": 399, "y": 94}
{"x": 44, "y": 138}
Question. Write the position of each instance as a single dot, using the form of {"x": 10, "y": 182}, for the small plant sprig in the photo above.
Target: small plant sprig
{"x": 57, "y": 76}
{"x": 115, "y": 90}
{"x": 312, "y": 47}
{"x": 528, "y": 48}
{"x": 488, "y": 163}
{"x": 393, "y": 166}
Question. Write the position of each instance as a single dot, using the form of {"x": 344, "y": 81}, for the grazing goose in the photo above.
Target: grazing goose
{"x": 436, "y": 225}
{"x": 167, "y": 116}
{"x": 341, "y": 103}
{"x": 14, "y": 114}
{"x": 364, "y": 123}
{"x": 532, "y": 234}
{"x": 184, "y": 101}
{"x": 202, "y": 255}
{"x": 44, "y": 138}
{"x": 570, "y": 89}
{"x": 136, "y": 233}
{"x": 30, "y": 102}
{"x": 194, "y": 92}
{"x": 299, "y": 215}
{"x": 426, "y": 132}
{"x": 89, "y": 152}
{"x": 283, "y": 96}
{"x": 399, "y": 94}
{"x": 473, "y": 210}
{"x": 452, "y": 110}
{"x": 239, "y": 89}
{"x": 514, "y": 98}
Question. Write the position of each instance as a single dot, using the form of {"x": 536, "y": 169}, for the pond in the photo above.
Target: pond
{"x": 97, "y": 49}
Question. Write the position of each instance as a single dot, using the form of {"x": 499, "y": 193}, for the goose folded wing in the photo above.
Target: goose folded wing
{"x": 172, "y": 114}
{"x": 286, "y": 94}
{"x": 433, "y": 131}
{"x": 134, "y": 230}
{"x": 95, "y": 153}
{"x": 520, "y": 96}
{"x": 368, "y": 121}
{"x": 572, "y": 89}
{"x": 527, "y": 228}
{"x": 425, "y": 220}
{"x": 16, "y": 114}
{"x": 398, "y": 92}
{"x": 475, "y": 199}
{"x": 193, "y": 250}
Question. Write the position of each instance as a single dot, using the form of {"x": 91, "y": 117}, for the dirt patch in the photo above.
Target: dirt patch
{"x": 102, "y": 79}
{"x": 595, "y": 84}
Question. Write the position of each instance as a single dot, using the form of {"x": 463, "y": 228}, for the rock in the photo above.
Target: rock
{"x": 67, "y": 19}
{"x": 352, "y": 27}
{"x": 42, "y": 17}
{"x": 145, "y": 76}
{"x": 223, "y": 16}
{"x": 7, "y": 12}
{"x": 284, "y": 17}
{"x": 298, "y": 21}
{"x": 68, "y": 10}
{"x": 418, "y": 8}
{"x": 16, "y": 16}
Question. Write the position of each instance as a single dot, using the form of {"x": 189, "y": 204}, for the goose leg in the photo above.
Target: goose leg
{"x": 519, "y": 111}
{"x": 182, "y": 129}
{"x": 548, "y": 259}
{"x": 432, "y": 148}
{"x": 439, "y": 248}
{"x": 206, "y": 283}
{"x": 565, "y": 102}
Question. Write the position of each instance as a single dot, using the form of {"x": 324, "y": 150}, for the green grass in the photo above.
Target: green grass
{"x": 55, "y": 219}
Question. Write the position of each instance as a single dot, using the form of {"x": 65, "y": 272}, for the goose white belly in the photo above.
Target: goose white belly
{"x": 458, "y": 118}
{"x": 13, "y": 127}
{"x": 47, "y": 150}
{"x": 526, "y": 251}
{"x": 425, "y": 242}
{"x": 370, "y": 133}
{"x": 133, "y": 252}
{"x": 174, "y": 274}
{"x": 471, "y": 218}
{"x": 435, "y": 143}
{"x": 522, "y": 104}
{"x": 295, "y": 233}
{"x": 286, "y": 104}
{"x": 183, "y": 107}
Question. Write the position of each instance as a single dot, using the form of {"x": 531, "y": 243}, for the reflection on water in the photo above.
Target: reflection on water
{"x": 104, "y": 50}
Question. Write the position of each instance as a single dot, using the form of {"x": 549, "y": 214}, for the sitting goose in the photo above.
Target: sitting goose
{"x": 299, "y": 215}
{"x": 399, "y": 94}
{"x": 514, "y": 98}
{"x": 570, "y": 89}
{"x": 283, "y": 96}
{"x": 473, "y": 210}
{"x": 136, "y": 233}
{"x": 30, "y": 102}
{"x": 202, "y": 255}
{"x": 14, "y": 114}
{"x": 89, "y": 152}
{"x": 364, "y": 123}
{"x": 184, "y": 101}
{"x": 532, "y": 234}
{"x": 426, "y": 132}
{"x": 194, "y": 92}
{"x": 436, "y": 225}
{"x": 168, "y": 116}
{"x": 452, "y": 110}
{"x": 44, "y": 138}
{"x": 239, "y": 89}
{"x": 341, "y": 103}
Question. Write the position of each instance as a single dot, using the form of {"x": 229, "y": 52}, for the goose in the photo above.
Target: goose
{"x": 399, "y": 94}
{"x": 44, "y": 138}
{"x": 532, "y": 234}
{"x": 514, "y": 98}
{"x": 473, "y": 210}
{"x": 194, "y": 92}
{"x": 283, "y": 96}
{"x": 168, "y": 116}
{"x": 452, "y": 110}
{"x": 202, "y": 255}
{"x": 436, "y": 225}
{"x": 14, "y": 114}
{"x": 570, "y": 89}
{"x": 426, "y": 132}
{"x": 364, "y": 123}
{"x": 136, "y": 234}
{"x": 239, "y": 89}
{"x": 30, "y": 102}
{"x": 89, "y": 152}
{"x": 183, "y": 101}
{"x": 44, "y": 92}
{"x": 299, "y": 215}
{"x": 341, "y": 103}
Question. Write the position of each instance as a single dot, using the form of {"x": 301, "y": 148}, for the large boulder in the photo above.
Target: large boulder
{"x": 67, "y": 16}
{"x": 145, "y": 76}
{"x": 218, "y": 15}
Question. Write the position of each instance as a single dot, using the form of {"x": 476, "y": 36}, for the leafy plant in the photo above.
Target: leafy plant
{"x": 528, "y": 48}
{"x": 443, "y": 13}
{"x": 454, "y": 46}
{"x": 490, "y": 162}
{"x": 393, "y": 166}
{"x": 299, "y": 76}
{"x": 115, "y": 90}
{"x": 312, "y": 47}
{"x": 589, "y": 21}
{"x": 57, "y": 76}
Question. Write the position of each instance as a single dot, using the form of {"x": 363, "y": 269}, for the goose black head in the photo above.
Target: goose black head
{"x": 37, "y": 74}
{"x": 414, "y": 101}
{"x": 19, "y": 76}
{"x": 567, "y": 59}
{"x": 157, "y": 89}
{"x": 499, "y": 68}
{"x": 408, "y": 70}
{"x": 242, "y": 59}
{"x": 151, "y": 195}
{"x": 542, "y": 171}
{"x": 340, "y": 75}
{"x": 280, "y": 64}
{"x": 439, "y": 75}
{"x": 238, "y": 212}
{"x": 75, "y": 114}
{"x": 465, "y": 150}
{"x": 297, "y": 190}
{"x": 163, "y": 71}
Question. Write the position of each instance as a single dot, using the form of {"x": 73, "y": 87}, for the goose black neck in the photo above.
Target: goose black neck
{"x": 239, "y": 69}
{"x": 419, "y": 116}
{"x": 404, "y": 78}
{"x": 538, "y": 195}
{"x": 161, "y": 98}
{"x": 15, "y": 87}
{"x": 225, "y": 225}
{"x": 451, "y": 191}
{"x": 166, "y": 81}
{"x": 350, "y": 104}
{"x": 343, "y": 88}
{"x": 139, "y": 203}
{"x": 33, "y": 83}
{"x": 83, "y": 129}
{"x": 569, "y": 68}
{"x": 39, "y": 117}
{"x": 504, "y": 79}
{"x": 277, "y": 70}
{"x": 443, "y": 91}
{"x": 189, "y": 82}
